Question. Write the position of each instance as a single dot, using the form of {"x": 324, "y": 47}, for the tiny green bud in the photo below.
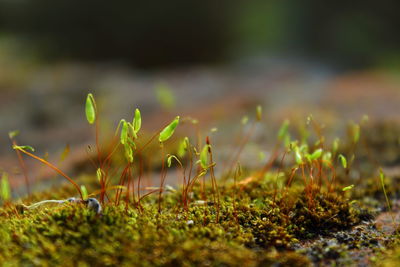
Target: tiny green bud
{"x": 124, "y": 132}
{"x": 84, "y": 192}
{"x": 347, "y": 188}
{"x": 259, "y": 113}
{"x": 13, "y": 134}
{"x": 128, "y": 153}
{"x": 298, "y": 157}
{"x": 137, "y": 121}
{"x": 5, "y": 187}
{"x": 169, "y": 160}
{"x": 244, "y": 120}
{"x": 165, "y": 96}
{"x": 316, "y": 154}
{"x": 99, "y": 174}
{"x": 168, "y": 131}
{"x": 343, "y": 160}
{"x": 90, "y": 109}
{"x": 335, "y": 145}
{"x": 182, "y": 148}
{"x": 283, "y": 131}
{"x": 24, "y": 148}
{"x": 356, "y": 133}
{"x": 204, "y": 157}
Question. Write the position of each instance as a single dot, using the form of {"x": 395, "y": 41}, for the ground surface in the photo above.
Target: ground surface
{"x": 47, "y": 106}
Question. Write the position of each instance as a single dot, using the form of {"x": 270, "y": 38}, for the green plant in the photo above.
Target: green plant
{"x": 164, "y": 135}
{"x": 12, "y": 135}
{"x": 5, "y": 189}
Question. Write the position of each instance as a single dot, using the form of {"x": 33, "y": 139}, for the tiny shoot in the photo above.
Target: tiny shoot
{"x": 5, "y": 187}
{"x": 90, "y": 109}
{"x": 343, "y": 161}
{"x": 169, "y": 130}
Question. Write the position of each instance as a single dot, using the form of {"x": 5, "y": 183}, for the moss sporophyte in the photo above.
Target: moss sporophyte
{"x": 221, "y": 214}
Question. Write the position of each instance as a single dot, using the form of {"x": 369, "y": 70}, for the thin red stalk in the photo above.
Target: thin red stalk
{"x": 332, "y": 183}
{"x": 133, "y": 185}
{"x": 294, "y": 170}
{"x": 97, "y": 137}
{"x": 271, "y": 160}
{"x": 121, "y": 182}
{"x": 108, "y": 158}
{"x": 213, "y": 179}
{"x": 54, "y": 168}
{"x": 140, "y": 177}
{"x": 319, "y": 173}
{"x": 162, "y": 177}
{"x": 148, "y": 142}
{"x": 190, "y": 151}
{"x": 241, "y": 147}
{"x": 235, "y": 197}
{"x": 149, "y": 193}
{"x": 23, "y": 166}
{"x": 130, "y": 178}
{"x": 183, "y": 188}
{"x": 203, "y": 194}
{"x": 90, "y": 158}
{"x": 277, "y": 176}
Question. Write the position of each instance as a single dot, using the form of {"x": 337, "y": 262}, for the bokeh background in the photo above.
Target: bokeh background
{"x": 337, "y": 60}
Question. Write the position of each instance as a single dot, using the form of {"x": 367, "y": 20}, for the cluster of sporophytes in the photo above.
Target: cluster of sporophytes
{"x": 302, "y": 191}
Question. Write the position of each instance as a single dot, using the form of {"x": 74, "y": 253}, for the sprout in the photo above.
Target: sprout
{"x": 90, "y": 109}
{"x": 128, "y": 153}
{"x": 356, "y": 133}
{"x": 283, "y": 131}
{"x": 287, "y": 141}
{"x": 137, "y": 121}
{"x": 168, "y": 131}
{"x": 99, "y": 174}
{"x": 364, "y": 119}
{"x": 244, "y": 120}
{"x": 84, "y": 192}
{"x": 24, "y": 148}
{"x": 65, "y": 152}
{"x": 259, "y": 113}
{"x": 299, "y": 159}
{"x": 315, "y": 155}
{"x": 309, "y": 119}
{"x": 169, "y": 160}
{"x": 13, "y": 134}
{"x": 124, "y": 132}
{"x": 203, "y": 157}
{"x": 335, "y": 145}
{"x": 183, "y": 147}
{"x": 347, "y": 188}
{"x": 165, "y": 96}
{"x": 5, "y": 187}
{"x": 327, "y": 157}
{"x": 382, "y": 177}
{"x": 132, "y": 131}
{"x": 343, "y": 161}
{"x": 261, "y": 156}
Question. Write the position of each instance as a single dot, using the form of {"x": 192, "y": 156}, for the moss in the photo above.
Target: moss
{"x": 328, "y": 213}
{"x": 71, "y": 234}
{"x": 255, "y": 221}
{"x": 389, "y": 257}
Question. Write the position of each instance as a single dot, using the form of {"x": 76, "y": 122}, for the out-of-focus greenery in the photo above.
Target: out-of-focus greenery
{"x": 149, "y": 34}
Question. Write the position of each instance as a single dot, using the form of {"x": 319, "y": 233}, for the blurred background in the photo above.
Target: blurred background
{"x": 337, "y": 60}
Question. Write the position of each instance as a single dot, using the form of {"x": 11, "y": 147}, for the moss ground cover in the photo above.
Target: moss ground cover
{"x": 303, "y": 207}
